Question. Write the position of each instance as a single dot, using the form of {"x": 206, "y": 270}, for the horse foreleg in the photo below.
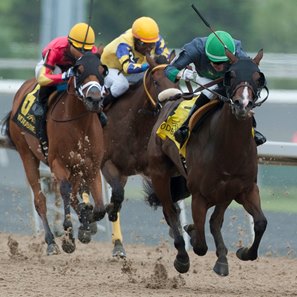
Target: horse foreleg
{"x": 251, "y": 203}
{"x": 216, "y": 222}
{"x": 117, "y": 239}
{"x": 58, "y": 231}
{"x": 96, "y": 191}
{"x": 163, "y": 190}
{"x": 32, "y": 172}
{"x": 197, "y": 233}
{"x": 85, "y": 211}
{"x": 68, "y": 243}
{"x": 117, "y": 183}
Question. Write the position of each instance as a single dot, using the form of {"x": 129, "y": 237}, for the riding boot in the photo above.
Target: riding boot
{"x": 39, "y": 106}
{"x": 259, "y": 137}
{"x": 39, "y": 110}
{"x": 181, "y": 134}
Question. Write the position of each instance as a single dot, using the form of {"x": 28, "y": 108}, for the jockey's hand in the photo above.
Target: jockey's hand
{"x": 187, "y": 74}
{"x": 67, "y": 74}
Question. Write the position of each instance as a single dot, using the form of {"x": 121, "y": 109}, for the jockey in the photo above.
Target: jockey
{"x": 55, "y": 68}
{"x": 125, "y": 56}
{"x": 210, "y": 61}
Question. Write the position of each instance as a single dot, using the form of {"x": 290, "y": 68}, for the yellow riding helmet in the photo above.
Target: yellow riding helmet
{"x": 82, "y": 36}
{"x": 145, "y": 29}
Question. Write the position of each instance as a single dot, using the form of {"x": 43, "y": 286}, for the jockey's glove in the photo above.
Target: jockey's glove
{"x": 187, "y": 75}
{"x": 67, "y": 74}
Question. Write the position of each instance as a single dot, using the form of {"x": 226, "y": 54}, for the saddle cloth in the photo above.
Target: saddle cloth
{"x": 24, "y": 116}
{"x": 174, "y": 121}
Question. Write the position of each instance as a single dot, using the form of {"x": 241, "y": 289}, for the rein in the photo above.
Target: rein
{"x": 146, "y": 74}
{"x": 70, "y": 119}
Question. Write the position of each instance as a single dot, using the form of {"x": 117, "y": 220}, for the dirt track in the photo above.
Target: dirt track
{"x": 91, "y": 271}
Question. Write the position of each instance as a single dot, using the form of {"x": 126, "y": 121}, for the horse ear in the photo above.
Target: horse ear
{"x": 150, "y": 60}
{"x": 258, "y": 57}
{"x": 100, "y": 49}
{"x": 233, "y": 59}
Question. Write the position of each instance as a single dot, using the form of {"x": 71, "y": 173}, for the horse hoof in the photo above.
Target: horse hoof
{"x": 244, "y": 255}
{"x": 68, "y": 245}
{"x": 221, "y": 268}
{"x": 113, "y": 216}
{"x": 181, "y": 267}
{"x": 189, "y": 229}
{"x": 118, "y": 250}
{"x": 84, "y": 235}
{"x": 53, "y": 249}
{"x": 93, "y": 228}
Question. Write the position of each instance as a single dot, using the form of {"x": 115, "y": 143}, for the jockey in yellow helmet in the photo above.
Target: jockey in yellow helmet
{"x": 125, "y": 55}
{"x": 55, "y": 67}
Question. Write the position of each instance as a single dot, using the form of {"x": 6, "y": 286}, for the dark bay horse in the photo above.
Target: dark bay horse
{"x": 75, "y": 150}
{"x": 130, "y": 121}
{"x": 220, "y": 166}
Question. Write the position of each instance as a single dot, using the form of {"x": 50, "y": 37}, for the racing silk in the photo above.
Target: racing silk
{"x": 56, "y": 53}
{"x": 194, "y": 52}
{"x": 121, "y": 54}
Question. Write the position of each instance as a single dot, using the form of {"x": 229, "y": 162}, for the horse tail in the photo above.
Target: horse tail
{"x": 5, "y": 140}
{"x": 151, "y": 197}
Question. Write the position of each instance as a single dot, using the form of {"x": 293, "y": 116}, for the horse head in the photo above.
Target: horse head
{"x": 243, "y": 83}
{"x": 89, "y": 81}
{"x": 155, "y": 75}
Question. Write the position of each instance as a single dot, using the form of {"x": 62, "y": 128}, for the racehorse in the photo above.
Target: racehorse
{"x": 220, "y": 166}
{"x": 130, "y": 121}
{"x": 75, "y": 147}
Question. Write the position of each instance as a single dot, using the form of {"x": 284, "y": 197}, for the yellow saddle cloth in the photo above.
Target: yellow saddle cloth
{"x": 174, "y": 122}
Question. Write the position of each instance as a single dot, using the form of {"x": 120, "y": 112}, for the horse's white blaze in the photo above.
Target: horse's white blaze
{"x": 245, "y": 96}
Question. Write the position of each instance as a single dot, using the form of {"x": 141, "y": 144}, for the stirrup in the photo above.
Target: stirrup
{"x": 44, "y": 148}
{"x": 259, "y": 138}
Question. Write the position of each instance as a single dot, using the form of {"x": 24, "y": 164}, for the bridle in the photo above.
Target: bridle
{"x": 91, "y": 65}
{"x": 240, "y": 75}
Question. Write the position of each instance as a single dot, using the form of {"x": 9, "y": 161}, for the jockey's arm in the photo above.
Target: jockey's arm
{"x": 47, "y": 77}
{"x": 161, "y": 48}
{"x": 182, "y": 61}
{"x": 125, "y": 55}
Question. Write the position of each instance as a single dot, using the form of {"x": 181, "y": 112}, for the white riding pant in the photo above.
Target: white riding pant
{"x": 203, "y": 81}
{"x": 118, "y": 83}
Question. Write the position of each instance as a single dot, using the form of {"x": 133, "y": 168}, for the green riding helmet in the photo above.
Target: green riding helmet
{"x": 215, "y": 50}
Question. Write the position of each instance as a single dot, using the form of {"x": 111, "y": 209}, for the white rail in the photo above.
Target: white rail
{"x": 278, "y": 153}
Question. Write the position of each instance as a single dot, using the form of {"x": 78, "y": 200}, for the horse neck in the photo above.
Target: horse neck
{"x": 230, "y": 132}
{"x": 73, "y": 105}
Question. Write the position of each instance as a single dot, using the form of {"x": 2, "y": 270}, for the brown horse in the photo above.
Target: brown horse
{"x": 75, "y": 150}
{"x": 130, "y": 121}
{"x": 220, "y": 166}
